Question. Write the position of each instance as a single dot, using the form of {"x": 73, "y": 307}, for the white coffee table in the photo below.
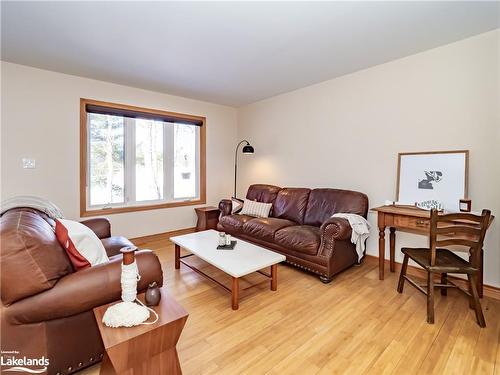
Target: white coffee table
{"x": 244, "y": 259}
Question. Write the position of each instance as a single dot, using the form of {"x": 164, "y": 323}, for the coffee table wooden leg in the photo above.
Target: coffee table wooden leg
{"x": 177, "y": 257}
{"x": 235, "y": 291}
{"x": 274, "y": 277}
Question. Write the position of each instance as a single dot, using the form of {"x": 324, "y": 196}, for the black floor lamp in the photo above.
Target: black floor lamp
{"x": 247, "y": 149}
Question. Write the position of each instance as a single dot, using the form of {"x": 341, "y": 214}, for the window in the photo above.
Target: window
{"x": 135, "y": 158}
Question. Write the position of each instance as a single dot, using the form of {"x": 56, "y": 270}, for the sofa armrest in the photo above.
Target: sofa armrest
{"x": 338, "y": 228}
{"x": 333, "y": 230}
{"x": 100, "y": 226}
{"x": 83, "y": 290}
{"x": 225, "y": 207}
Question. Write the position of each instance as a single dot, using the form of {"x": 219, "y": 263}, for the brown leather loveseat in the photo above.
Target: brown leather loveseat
{"x": 300, "y": 226}
{"x": 46, "y": 306}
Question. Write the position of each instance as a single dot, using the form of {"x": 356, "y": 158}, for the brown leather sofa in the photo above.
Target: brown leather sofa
{"x": 300, "y": 226}
{"x": 46, "y": 306}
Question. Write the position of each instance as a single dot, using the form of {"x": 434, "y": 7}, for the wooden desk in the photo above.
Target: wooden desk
{"x": 412, "y": 220}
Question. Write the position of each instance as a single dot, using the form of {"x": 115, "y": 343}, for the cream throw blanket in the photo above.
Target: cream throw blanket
{"x": 360, "y": 231}
{"x": 40, "y": 204}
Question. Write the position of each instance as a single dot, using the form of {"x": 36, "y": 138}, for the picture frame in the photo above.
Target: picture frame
{"x": 433, "y": 175}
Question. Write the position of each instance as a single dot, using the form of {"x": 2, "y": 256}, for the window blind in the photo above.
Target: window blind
{"x": 97, "y": 109}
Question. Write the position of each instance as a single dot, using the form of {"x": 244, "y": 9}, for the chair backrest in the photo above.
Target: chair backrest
{"x": 458, "y": 229}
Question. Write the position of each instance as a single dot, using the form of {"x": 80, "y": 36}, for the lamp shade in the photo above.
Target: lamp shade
{"x": 248, "y": 149}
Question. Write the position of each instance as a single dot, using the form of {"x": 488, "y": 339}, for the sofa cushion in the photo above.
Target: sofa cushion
{"x": 301, "y": 238}
{"x": 264, "y": 228}
{"x": 323, "y": 203}
{"x": 291, "y": 204}
{"x": 262, "y": 193}
{"x": 234, "y": 222}
{"x": 31, "y": 258}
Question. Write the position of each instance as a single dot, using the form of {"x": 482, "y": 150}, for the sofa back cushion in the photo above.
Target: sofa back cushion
{"x": 31, "y": 258}
{"x": 291, "y": 204}
{"x": 263, "y": 193}
{"x": 323, "y": 203}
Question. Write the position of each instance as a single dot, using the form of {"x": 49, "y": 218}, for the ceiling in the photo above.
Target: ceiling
{"x": 231, "y": 53}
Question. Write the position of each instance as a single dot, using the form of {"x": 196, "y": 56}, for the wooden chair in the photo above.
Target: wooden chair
{"x": 436, "y": 260}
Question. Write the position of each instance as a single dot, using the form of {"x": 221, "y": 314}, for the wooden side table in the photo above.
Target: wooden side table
{"x": 144, "y": 349}
{"x": 208, "y": 217}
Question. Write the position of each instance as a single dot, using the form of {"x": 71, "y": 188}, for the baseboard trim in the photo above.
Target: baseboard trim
{"x": 488, "y": 290}
{"x": 162, "y": 236}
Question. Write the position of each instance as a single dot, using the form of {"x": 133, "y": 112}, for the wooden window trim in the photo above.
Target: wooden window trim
{"x": 84, "y": 212}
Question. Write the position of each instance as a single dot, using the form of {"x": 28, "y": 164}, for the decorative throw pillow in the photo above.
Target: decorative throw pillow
{"x": 82, "y": 245}
{"x": 257, "y": 209}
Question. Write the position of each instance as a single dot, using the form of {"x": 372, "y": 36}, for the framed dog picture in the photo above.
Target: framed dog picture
{"x": 437, "y": 175}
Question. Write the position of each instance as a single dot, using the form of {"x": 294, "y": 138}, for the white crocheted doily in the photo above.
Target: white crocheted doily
{"x": 125, "y": 314}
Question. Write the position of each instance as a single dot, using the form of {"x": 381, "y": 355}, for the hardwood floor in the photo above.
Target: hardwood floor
{"x": 355, "y": 325}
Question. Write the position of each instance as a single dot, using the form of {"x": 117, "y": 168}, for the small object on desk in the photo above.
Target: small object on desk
{"x": 465, "y": 205}
{"x": 430, "y": 204}
{"x": 153, "y": 295}
{"x": 227, "y": 247}
{"x": 228, "y": 239}
{"x": 405, "y": 204}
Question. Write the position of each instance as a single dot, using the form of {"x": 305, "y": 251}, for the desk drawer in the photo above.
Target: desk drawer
{"x": 411, "y": 222}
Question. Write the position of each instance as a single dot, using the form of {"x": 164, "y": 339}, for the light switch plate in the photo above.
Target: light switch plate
{"x": 28, "y": 163}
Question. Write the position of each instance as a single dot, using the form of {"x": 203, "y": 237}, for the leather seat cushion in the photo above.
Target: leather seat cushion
{"x": 234, "y": 222}
{"x": 114, "y": 244}
{"x": 303, "y": 238}
{"x": 446, "y": 260}
{"x": 265, "y": 228}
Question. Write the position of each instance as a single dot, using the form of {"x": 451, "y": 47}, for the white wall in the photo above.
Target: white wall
{"x": 347, "y": 132}
{"x": 40, "y": 120}
{"x": 342, "y": 133}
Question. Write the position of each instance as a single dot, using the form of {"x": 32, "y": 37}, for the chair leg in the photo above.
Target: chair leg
{"x": 403, "y": 274}
{"x": 430, "y": 298}
{"x": 444, "y": 281}
{"x": 471, "y": 298}
{"x": 475, "y": 301}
